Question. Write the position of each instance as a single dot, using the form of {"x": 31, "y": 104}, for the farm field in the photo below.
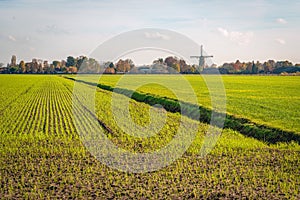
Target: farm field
{"x": 269, "y": 100}
{"x": 42, "y": 154}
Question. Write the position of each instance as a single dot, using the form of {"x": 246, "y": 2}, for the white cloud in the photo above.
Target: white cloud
{"x": 12, "y": 38}
{"x": 52, "y": 29}
{"x": 223, "y": 31}
{"x": 156, "y": 35}
{"x": 280, "y": 41}
{"x": 242, "y": 38}
{"x": 281, "y": 21}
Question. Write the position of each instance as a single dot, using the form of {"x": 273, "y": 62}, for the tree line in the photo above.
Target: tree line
{"x": 168, "y": 65}
{"x": 267, "y": 67}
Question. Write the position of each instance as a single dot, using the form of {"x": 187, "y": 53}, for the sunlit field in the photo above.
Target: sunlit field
{"x": 42, "y": 155}
{"x": 269, "y": 100}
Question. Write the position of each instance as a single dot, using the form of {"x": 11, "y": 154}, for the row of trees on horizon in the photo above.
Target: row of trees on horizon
{"x": 170, "y": 64}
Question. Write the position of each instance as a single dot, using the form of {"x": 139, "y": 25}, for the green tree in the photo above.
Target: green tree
{"x": 14, "y": 69}
{"x": 81, "y": 61}
{"x": 93, "y": 66}
{"x": 111, "y": 65}
{"x": 158, "y": 61}
{"x": 254, "y": 68}
{"x": 57, "y": 65}
{"x": 71, "y": 61}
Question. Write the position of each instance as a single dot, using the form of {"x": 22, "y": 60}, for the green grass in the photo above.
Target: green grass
{"x": 42, "y": 156}
{"x": 269, "y": 100}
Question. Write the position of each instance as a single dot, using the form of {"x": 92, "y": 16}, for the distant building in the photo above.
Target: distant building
{"x": 156, "y": 68}
{"x": 144, "y": 69}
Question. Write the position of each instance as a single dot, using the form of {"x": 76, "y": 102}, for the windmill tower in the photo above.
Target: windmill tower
{"x": 201, "y": 59}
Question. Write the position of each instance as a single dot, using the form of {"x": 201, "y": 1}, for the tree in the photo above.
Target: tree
{"x": 183, "y": 67}
{"x": 173, "y": 63}
{"x": 170, "y": 61}
{"x": 13, "y": 69}
{"x": 71, "y": 61}
{"x": 13, "y": 61}
{"x": 237, "y": 66}
{"x": 269, "y": 66}
{"x": 63, "y": 64}
{"x": 228, "y": 67}
{"x": 40, "y": 67}
{"x": 283, "y": 64}
{"x": 249, "y": 67}
{"x": 22, "y": 67}
{"x": 176, "y": 67}
{"x": 158, "y": 61}
{"x": 28, "y": 67}
{"x": 93, "y": 66}
{"x": 123, "y": 66}
{"x": 109, "y": 70}
{"x": 81, "y": 62}
{"x": 72, "y": 70}
{"x": 254, "y": 68}
{"x": 130, "y": 63}
{"x": 34, "y": 66}
{"x": 57, "y": 65}
{"x": 48, "y": 69}
{"x": 111, "y": 65}
{"x": 260, "y": 67}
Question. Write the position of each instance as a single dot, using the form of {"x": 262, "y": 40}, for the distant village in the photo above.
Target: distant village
{"x": 169, "y": 65}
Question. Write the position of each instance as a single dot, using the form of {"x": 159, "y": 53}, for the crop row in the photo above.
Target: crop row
{"x": 195, "y": 112}
{"x": 42, "y": 156}
{"x": 268, "y": 100}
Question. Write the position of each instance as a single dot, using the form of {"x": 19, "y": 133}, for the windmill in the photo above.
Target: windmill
{"x": 201, "y": 58}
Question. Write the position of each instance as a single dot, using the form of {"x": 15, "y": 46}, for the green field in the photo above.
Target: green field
{"x": 269, "y": 100}
{"x": 42, "y": 155}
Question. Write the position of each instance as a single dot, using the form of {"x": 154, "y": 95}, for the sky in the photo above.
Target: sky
{"x": 229, "y": 30}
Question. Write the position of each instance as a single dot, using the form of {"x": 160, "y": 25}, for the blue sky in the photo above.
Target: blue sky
{"x": 230, "y": 30}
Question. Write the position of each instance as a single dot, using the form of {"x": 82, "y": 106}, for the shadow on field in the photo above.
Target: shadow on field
{"x": 248, "y": 128}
